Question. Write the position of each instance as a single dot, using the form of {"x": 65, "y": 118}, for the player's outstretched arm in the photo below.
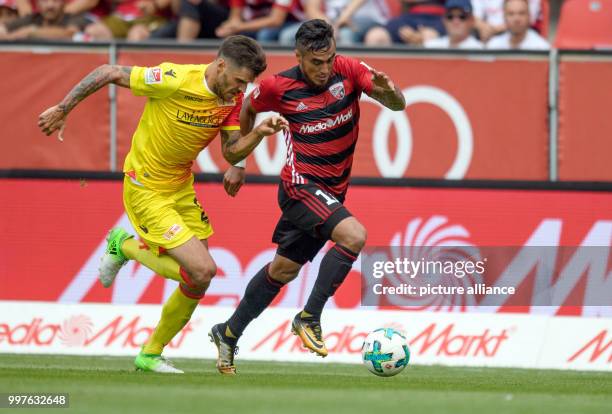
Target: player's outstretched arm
{"x": 386, "y": 92}
{"x": 237, "y": 146}
{"x": 53, "y": 118}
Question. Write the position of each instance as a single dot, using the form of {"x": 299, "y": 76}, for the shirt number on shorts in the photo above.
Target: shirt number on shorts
{"x": 328, "y": 199}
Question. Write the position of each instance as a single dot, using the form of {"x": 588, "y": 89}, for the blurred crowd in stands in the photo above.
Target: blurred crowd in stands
{"x": 440, "y": 24}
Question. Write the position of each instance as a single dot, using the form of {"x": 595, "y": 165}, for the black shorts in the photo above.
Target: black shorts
{"x": 310, "y": 214}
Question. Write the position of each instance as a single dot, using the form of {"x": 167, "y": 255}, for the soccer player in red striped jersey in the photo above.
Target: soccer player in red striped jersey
{"x": 320, "y": 99}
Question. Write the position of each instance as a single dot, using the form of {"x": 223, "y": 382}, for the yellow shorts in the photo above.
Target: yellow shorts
{"x": 165, "y": 220}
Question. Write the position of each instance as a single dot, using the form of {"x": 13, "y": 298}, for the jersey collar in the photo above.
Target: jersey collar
{"x": 207, "y": 89}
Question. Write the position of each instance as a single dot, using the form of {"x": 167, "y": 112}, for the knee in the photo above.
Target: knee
{"x": 138, "y": 33}
{"x": 354, "y": 239}
{"x": 377, "y": 36}
{"x": 99, "y": 31}
{"x": 202, "y": 275}
{"x": 285, "y": 38}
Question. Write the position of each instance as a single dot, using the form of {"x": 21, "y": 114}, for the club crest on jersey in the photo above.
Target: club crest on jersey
{"x": 337, "y": 90}
{"x": 152, "y": 76}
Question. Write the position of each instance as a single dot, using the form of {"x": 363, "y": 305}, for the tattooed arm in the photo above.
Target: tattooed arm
{"x": 54, "y": 118}
{"x": 237, "y": 145}
{"x": 386, "y": 92}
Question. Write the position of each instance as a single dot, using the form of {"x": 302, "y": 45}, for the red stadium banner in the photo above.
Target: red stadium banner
{"x": 466, "y": 118}
{"x": 32, "y": 82}
{"x": 54, "y": 236}
{"x": 585, "y": 124}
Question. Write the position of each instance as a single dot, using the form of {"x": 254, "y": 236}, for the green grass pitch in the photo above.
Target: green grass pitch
{"x": 109, "y": 385}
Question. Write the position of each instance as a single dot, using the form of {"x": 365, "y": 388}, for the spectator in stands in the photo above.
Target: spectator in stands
{"x": 199, "y": 19}
{"x": 50, "y": 22}
{"x": 129, "y": 19}
{"x": 301, "y": 11}
{"x": 91, "y": 10}
{"x": 489, "y": 16}
{"x": 459, "y": 24}
{"x": 24, "y": 7}
{"x": 421, "y": 22}
{"x": 8, "y": 11}
{"x": 262, "y": 19}
{"x": 518, "y": 35}
{"x": 351, "y": 18}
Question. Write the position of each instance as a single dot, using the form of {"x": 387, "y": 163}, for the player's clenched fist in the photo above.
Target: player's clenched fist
{"x": 51, "y": 120}
{"x": 272, "y": 125}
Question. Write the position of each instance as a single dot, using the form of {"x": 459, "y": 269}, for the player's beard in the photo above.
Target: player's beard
{"x": 220, "y": 87}
{"x": 224, "y": 90}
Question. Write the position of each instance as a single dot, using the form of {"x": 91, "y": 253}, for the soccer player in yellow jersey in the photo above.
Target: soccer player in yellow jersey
{"x": 187, "y": 106}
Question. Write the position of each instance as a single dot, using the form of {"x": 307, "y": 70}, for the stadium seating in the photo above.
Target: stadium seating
{"x": 585, "y": 24}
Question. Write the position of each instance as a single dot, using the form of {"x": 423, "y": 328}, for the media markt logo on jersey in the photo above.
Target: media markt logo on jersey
{"x": 337, "y": 90}
{"x": 327, "y": 123}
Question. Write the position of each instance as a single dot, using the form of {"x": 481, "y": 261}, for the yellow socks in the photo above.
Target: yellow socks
{"x": 175, "y": 314}
{"x": 180, "y": 305}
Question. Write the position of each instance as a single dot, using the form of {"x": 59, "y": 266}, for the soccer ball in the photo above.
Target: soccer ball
{"x": 385, "y": 352}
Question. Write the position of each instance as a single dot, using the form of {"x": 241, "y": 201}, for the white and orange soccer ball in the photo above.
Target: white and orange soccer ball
{"x": 385, "y": 352}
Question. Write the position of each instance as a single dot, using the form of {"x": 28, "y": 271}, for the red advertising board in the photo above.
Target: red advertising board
{"x": 32, "y": 82}
{"x": 466, "y": 118}
{"x": 54, "y": 234}
{"x": 479, "y": 119}
{"x": 585, "y": 125}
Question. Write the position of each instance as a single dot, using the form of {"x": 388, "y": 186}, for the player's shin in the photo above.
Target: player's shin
{"x": 259, "y": 294}
{"x": 175, "y": 314}
{"x": 335, "y": 266}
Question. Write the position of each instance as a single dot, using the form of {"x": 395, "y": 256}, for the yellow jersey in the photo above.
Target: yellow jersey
{"x": 181, "y": 117}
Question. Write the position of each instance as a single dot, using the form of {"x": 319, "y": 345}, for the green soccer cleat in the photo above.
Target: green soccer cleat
{"x": 225, "y": 350}
{"x": 155, "y": 363}
{"x": 309, "y": 331}
{"x": 113, "y": 258}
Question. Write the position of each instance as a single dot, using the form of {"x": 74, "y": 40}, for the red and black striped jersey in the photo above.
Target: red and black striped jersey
{"x": 324, "y": 122}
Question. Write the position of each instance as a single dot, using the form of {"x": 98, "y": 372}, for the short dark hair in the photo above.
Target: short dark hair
{"x": 314, "y": 35}
{"x": 244, "y": 52}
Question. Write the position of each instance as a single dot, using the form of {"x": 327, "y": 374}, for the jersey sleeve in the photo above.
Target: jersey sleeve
{"x": 361, "y": 75}
{"x": 232, "y": 121}
{"x": 265, "y": 97}
{"x": 156, "y": 82}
